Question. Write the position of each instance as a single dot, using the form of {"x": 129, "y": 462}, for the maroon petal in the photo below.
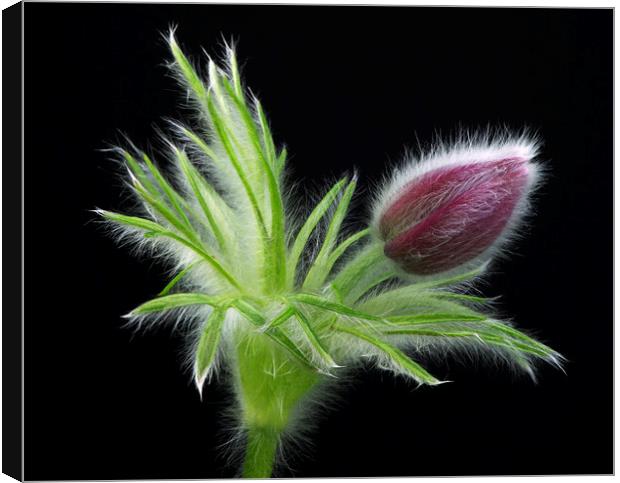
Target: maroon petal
{"x": 453, "y": 214}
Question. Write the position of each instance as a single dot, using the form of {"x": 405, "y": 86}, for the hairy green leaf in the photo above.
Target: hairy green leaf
{"x": 354, "y": 270}
{"x": 455, "y": 280}
{"x": 320, "y": 269}
{"x": 280, "y": 319}
{"x": 208, "y": 345}
{"x": 410, "y": 299}
{"x": 433, "y": 318}
{"x": 366, "y": 284}
{"x": 174, "y": 301}
{"x": 224, "y": 136}
{"x": 196, "y": 182}
{"x": 275, "y": 198}
{"x": 156, "y": 228}
{"x": 234, "y": 71}
{"x": 177, "y": 278}
{"x": 344, "y": 246}
{"x": 134, "y": 221}
{"x": 335, "y": 307}
{"x": 314, "y": 340}
{"x": 281, "y": 161}
{"x": 278, "y": 335}
{"x": 267, "y": 138}
{"x": 308, "y": 227}
{"x": 250, "y": 312}
{"x": 188, "y": 74}
{"x": 396, "y": 356}
{"x": 173, "y": 197}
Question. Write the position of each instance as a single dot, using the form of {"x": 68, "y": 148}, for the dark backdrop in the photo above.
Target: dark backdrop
{"x": 343, "y": 87}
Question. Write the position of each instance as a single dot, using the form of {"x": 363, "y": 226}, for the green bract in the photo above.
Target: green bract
{"x": 283, "y": 304}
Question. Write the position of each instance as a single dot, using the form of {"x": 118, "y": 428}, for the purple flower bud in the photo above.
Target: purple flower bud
{"x": 453, "y": 209}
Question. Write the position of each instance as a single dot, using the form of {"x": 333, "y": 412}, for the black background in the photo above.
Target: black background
{"x": 344, "y": 87}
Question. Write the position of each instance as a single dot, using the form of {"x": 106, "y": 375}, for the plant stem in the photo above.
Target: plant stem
{"x": 260, "y": 454}
{"x": 351, "y": 274}
{"x": 269, "y": 387}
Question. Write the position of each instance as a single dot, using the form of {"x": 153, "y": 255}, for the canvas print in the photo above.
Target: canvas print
{"x": 313, "y": 241}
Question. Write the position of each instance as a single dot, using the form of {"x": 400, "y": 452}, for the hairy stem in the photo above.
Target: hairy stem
{"x": 352, "y": 273}
{"x": 260, "y": 454}
{"x": 269, "y": 386}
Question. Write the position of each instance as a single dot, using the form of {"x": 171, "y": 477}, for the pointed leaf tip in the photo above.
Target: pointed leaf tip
{"x": 199, "y": 381}
{"x": 207, "y": 346}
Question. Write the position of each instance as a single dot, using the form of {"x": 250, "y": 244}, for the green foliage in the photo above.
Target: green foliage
{"x": 282, "y": 321}
{"x": 208, "y": 345}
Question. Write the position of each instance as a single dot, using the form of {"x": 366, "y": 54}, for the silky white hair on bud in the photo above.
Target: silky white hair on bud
{"x": 467, "y": 148}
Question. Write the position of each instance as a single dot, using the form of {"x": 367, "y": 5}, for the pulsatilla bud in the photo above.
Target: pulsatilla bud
{"x": 455, "y": 208}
